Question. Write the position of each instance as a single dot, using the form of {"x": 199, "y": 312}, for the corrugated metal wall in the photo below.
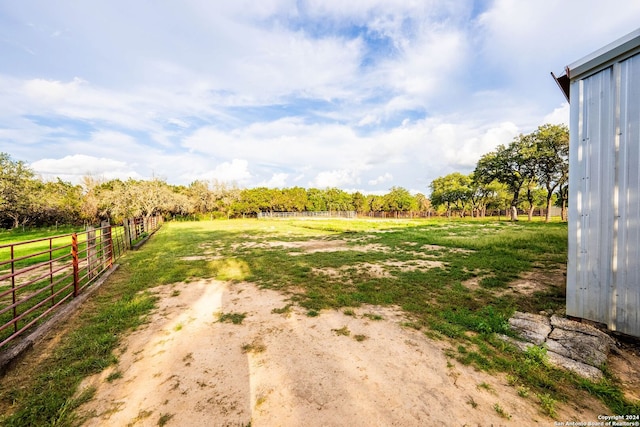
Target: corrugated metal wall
{"x": 603, "y": 276}
{"x": 627, "y": 277}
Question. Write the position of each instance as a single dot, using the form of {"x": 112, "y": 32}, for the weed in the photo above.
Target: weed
{"x": 142, "y": 414}
{"x": 373, "y": 316}
{"x": 472, "y": 402}
{"x": 114, "y": 376}
{"x": 260, "y": 400}
{"x": 175, "y": 293}
{"x": 349, "y": 312}
{"x": 342, "y": 331}
{"x": 178, "y": 327}
{"x": 523, "y": 391}
{"x": 235, "y": 318}
{"x": 501, "y": 411}
{"x": 548, "y": 404}
{"x": 313, "y": 313}
{"x": 286, "y": 310}
{"x": 536, "y": 355}
{"x": 164, "y": 419}
{"x": 254, "y": 347}
{"x": 486, "y": 386}
{"x": 511, "y": 380}
{"x": 360, "y": 337}
{"x": 412, "y": 325}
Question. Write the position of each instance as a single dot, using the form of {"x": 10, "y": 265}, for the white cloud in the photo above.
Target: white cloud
{"x": 277, "y": 180}
{"x": 559, "y": 115}
{"x": 234, "y": 171}
{"x": 50, "y": 90}
{"x": 387, "y": 177}
{"x": 335, "y": 178}
{"x": 72, "y": 168}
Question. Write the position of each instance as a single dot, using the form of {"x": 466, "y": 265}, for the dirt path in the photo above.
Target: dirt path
{"x": 185, "y": 368}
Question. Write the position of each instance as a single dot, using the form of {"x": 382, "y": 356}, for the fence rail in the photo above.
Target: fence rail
{"x": 40, "y": 275}
{"x": 305, "y": 214}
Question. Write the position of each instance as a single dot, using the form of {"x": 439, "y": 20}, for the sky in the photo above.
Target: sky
{"x": 362, "y": 95}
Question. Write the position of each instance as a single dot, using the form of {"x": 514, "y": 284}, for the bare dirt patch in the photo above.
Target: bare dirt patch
{"x": 313, "y": 246}
{"x": 379, "y": 270}
{"x": 530, "y": 282}
{"x": 280, "y": 367}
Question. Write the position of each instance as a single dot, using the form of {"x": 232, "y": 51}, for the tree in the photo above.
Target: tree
{"x": 316, "y": 201}
{"x": 399, "y": 200}
{"x": 338, "y": 200}
{"x": 423, "y": 203}
{"x": 512, "y": 165}
{"x": 552, "y": 159}
{"x": 55, "y": 202}
{"x": 453, "y": 191}
{"x": 16, "y": 191}
{"x": 201, "y": 197}
{"x": 359, "y": 202}
{"x": 376, "y": 203}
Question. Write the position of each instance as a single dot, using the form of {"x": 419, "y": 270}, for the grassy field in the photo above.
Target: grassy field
{"x": 451, "y": 277}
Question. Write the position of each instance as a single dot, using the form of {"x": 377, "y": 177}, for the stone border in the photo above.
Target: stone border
{"x": 572, "y": 345}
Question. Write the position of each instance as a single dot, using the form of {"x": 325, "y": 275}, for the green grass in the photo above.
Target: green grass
{"x": 436, "y": 299}
{"x": 235, "y": 318}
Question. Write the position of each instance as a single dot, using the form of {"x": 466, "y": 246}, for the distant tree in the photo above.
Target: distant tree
{"x": 376, "y": 203}
{"x": 201, "y": 197}
{"x": 359, "y": 202}
{"x": 423, "y": 203}
{"x": 253, "y": 200}
{"x": 338, "y": 200}
{"x": 16, "y": 191}
{"x": 512, "y": 165}
{"x": 552, "y": 159}
{"x": 316, "y": 201}
{"x": 399, "y": 200}
{"x": 296, "y": 199}
{"x": 453, "y": 191}
{"x": 562, "y": 199}
{"x": 56, "y": 202}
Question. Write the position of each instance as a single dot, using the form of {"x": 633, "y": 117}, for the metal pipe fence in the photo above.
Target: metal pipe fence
{"x": 40, "y": 275}
{"x": 306, "y": 214}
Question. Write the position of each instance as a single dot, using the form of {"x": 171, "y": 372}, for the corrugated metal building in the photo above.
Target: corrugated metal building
{"x": 603, "y": 272}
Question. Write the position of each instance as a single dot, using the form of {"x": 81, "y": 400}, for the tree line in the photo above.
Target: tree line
{"x": 28, "y": 200}
{"x": 530, "y": 172}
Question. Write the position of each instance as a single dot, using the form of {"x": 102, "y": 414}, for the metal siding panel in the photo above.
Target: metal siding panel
{"x": 628, "y": 262}
{"x": 594, "y": 218}
{"x": 576, "y": 156}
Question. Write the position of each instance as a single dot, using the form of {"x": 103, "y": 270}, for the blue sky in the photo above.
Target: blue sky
{"x": 361, "y": 95}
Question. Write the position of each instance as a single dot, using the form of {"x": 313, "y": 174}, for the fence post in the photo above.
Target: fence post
{"x": 127, "y": 232}
{"x": 92, "y": 252}
{"x": 13, "y": 288}
{"x": 108, "y": 240}
{"x": 74, "y": 256}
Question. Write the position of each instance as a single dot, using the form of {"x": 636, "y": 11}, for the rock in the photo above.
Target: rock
{"x": 570, "y": 325}
{"x": 587, "y": 371}
{"x": 533, "y": 327}
{"x": 521, "y": 345}
{"x": 578, "y": 346}
{"x": 572, "y": 345}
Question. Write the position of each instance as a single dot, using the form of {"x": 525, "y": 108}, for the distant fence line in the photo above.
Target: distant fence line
{"x": 136, "y": 229}
{"x": 320, "y": 214}
{"x": 37, "y": 277}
